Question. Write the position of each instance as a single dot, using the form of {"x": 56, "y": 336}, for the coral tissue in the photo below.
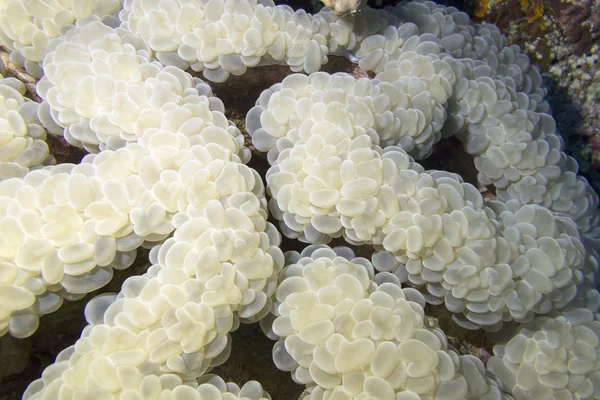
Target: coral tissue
{"x": 167, "y": 171}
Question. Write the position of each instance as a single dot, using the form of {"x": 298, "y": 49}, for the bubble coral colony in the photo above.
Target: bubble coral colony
{"x": 166, "y": 170}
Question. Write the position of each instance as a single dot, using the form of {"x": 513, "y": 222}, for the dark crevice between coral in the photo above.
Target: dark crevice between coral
{"x": 251, "y": 359}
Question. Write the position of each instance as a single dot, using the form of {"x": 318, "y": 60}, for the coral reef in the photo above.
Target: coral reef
{"x": 562, "y": 36}
{"x": 22, "y": 146}
{"x": 552, "y": 357}
{"x": 28, "y": 27}
{"x": 355, "y": 339}
{"x": 167, "y": 171}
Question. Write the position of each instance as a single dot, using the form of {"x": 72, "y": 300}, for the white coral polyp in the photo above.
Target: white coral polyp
{"x": 497, "y": 107}
{"x": 402, "y": 106}
{"x": 518, "y": 150}
{"x": 223, "y": 38}
{"x": 27, "y": 27}
{"x": 220, "y": 266}
{"x": 486, "y": 266}
{"x": 67, "y": 227}
{"x": 340, "y": 193}
{"x": 22, "y": 137}
{"x": 209, "y": 387}
{"x": 101, "y": 86}
{"x": 555, "y": 358}
{"x": 348, "y": 338}
{"x": 499, "y": 113}
{"x": 511, "y": 264}
{"x": 498, "y": 93}
{"x": 340, "y": 149}
{"x": 329, "y": 178}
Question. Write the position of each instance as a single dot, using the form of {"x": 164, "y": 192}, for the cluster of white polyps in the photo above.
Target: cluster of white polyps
{"x": 68, "y": 226}
{"x": 27, "y": 27}
{"x": 329, "y": 175}
{"x": 329, "y": 178}
{"x": 346, "y": 337}
{"x": 101, "y": 87}
{"x": 402, "y": 106}
{"x": 223, "y": 37}
{"x": 219, "y": 267}
{"x": 532, "y": 265}
{"x": 169, "y": 386}
{"x": 22, "y": 137}
{"x": 552, "y": 358}
{"x": 528, "y": 262}
{"x": 518, "y": 150}
{"x": 497, "y": 110}
{"x": 172, "y": 164}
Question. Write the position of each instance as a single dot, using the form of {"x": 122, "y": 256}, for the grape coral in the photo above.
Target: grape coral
{"x": 356, "y": 339}
{"x": 23, "y": 145}
{"x": 557, "y": 357}
{"x": 168, "y": 171}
